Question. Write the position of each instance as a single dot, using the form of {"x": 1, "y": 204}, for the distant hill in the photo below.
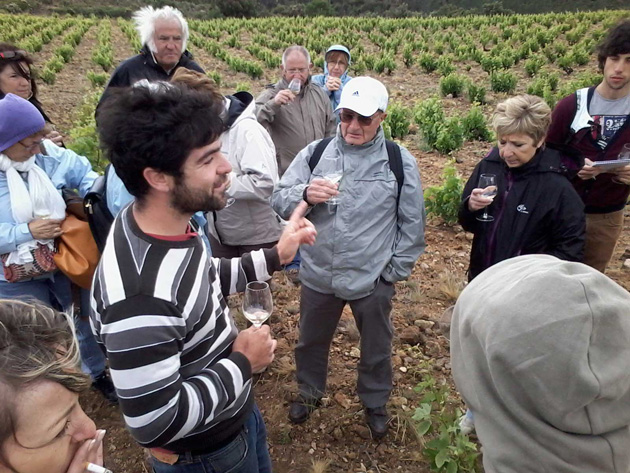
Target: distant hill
{"x": 250, "y": 8}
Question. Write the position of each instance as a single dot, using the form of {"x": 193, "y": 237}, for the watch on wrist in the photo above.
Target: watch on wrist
{"x": 304, "y": 197}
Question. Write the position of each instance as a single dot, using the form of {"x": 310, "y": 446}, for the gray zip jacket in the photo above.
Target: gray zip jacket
{"x": 363, "y": 237}
{"x": 292, "y": 126}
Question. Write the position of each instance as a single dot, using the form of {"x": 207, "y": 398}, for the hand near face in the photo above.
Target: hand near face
{"x": 333, "y": 83}
{"x": 477, "y": 201}
{"x": 55, "y": 137}
{"x": 299, "y": 231}
{"x": 90, "y": 452}
{"x": 284, "y": 97}
{"x": 588, "y": 171}
{"x": 45, "y": 228}
{"x": 320, "y": 190}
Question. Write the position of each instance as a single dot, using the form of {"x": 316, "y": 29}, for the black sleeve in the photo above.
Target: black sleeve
{"x": 568, "y": 227}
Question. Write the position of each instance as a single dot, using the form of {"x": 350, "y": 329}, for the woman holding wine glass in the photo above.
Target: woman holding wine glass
{"x": 518, "y": 200}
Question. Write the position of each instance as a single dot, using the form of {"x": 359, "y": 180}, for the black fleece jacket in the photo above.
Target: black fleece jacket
{"x": 143, "y": 66}
{"x": 535, "y": 211}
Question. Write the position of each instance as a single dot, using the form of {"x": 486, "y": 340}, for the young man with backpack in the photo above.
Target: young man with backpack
{"x": 370, "y": 236}
{"x": 594, "y": 122}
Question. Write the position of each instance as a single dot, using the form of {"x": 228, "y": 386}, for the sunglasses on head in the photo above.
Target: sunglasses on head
{"x": 12, "y": 54}
{"x": 347, "y": 117}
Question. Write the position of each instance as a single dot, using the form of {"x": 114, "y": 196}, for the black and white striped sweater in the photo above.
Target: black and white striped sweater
{"x": 158, "y": 309}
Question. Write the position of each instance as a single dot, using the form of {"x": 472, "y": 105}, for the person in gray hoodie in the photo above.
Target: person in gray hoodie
{"x": 370, "y": 238}
{"x": 540, "y": 350}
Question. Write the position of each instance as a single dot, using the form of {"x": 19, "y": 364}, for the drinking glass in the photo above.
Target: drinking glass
{"x": 295, "y": 86}
{"x": 257, "y": 302}
{"x": 487, "y": 182}
{"x": 333, "y": 174}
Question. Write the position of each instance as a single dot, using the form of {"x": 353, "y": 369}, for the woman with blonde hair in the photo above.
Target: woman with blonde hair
{"x": 535, "y": 209}
{"x": 42, "y": 425}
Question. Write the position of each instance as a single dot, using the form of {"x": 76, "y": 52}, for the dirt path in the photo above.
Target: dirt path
{"x": 121, "y": 45}
{"x": 61, "y": 99}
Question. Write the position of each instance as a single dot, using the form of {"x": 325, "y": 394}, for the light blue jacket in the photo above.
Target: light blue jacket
{"x": 365, "y": 237}
{"x": 320, "y": 79}
{"x": 65, "y": 169}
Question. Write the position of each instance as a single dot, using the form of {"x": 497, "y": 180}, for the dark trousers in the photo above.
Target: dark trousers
{"x": 319, "y": 316}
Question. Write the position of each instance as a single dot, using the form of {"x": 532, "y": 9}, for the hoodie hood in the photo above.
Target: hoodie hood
{"x": 236, "y": 106}
{"x": 540, "y": 351}
{"x": 343, "y": 49}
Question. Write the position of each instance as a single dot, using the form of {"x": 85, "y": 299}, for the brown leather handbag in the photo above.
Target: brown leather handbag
{"x": 77, "y": 254}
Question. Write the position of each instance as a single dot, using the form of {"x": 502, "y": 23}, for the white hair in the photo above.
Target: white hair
{"x": 294, "y": 48}
{"x": 146, "y": 17}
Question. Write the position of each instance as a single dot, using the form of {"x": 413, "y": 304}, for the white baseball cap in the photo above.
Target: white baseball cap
{"x": 364, "y": 95}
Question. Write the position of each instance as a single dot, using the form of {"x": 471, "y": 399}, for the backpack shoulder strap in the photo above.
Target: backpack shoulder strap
{"x": 317, "y": 152}
{"x": 395, "y": 164}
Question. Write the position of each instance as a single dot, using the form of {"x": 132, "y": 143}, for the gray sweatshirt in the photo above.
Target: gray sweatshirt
{"x": 541, "y": 354}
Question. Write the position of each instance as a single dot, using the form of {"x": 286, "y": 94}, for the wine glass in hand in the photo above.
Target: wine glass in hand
{"x": 257, "y": 302}
{"x": 295, "y": 86}
{"x": 333, "y": 174}
{"x": 487, "y": 182}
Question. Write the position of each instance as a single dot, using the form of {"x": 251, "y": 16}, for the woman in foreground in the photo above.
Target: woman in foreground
{"x": 42, "y": 425}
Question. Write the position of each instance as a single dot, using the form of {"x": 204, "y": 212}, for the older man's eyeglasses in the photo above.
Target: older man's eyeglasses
{"x": 297, "y": 70}
{"x": 12, "y": 54}
{"x": 347, "y": 117}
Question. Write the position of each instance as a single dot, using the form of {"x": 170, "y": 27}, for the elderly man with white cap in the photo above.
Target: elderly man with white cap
{"x": 366, "y": 203}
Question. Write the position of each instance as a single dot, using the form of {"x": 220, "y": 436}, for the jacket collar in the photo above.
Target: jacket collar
{"x": 545, "y": 160}
{"x": 374, "y": 143}
{"x": 150, "y": 59}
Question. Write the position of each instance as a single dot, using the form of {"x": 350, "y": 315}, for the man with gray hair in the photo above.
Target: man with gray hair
{"x": 163, "y": 33}
{"x": 294, "y": 118}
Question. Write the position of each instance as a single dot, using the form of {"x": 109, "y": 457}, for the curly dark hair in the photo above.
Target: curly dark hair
{"x": 156, "y": 125}
{"x": 617, "y": 42}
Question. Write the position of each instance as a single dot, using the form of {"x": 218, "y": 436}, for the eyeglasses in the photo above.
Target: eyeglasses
{"x": 34, "y": 143}
{"x": 347, "y": 117}
{"x": 12, "y": 54}
{"x": 299, "y": 70}
{"x": 337, "y": 63}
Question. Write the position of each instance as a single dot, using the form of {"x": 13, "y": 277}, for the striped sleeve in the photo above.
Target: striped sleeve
{"x": 144, "y": 337}
{"x": 235, "y": 273}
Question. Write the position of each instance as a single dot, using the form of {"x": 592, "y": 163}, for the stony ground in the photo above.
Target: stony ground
{"x": 335, "y": 439}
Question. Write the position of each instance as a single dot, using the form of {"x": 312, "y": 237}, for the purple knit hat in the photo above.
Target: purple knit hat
{"x": 18, "y": 119}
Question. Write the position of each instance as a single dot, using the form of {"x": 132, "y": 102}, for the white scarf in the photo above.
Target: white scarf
{"x": 40, "y": 199}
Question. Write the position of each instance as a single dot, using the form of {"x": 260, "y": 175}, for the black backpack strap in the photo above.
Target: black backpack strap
{"x": 395, "y": 164}
{"x": 318, "y": 151}
{"x": 99, "y": 217}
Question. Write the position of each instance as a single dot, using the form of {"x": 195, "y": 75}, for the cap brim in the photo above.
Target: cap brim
{"x": 359, "y": 106}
